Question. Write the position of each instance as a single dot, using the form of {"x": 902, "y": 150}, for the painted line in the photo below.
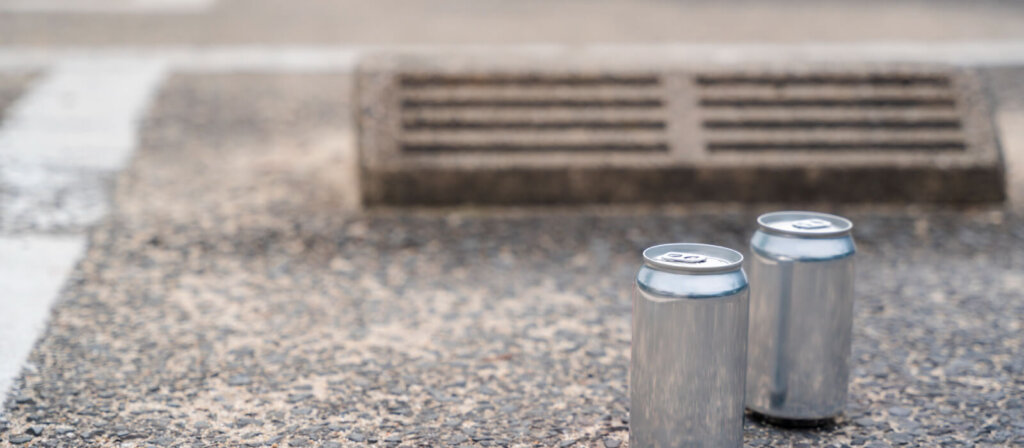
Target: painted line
{"x": 39, "y": 199}
{"x": 274, "y": 59}
{"x": 32, "y": 272}
{"x": 105, "y": 6}
{"x": 83, "y": 114}
{"x": 62, "y": 142}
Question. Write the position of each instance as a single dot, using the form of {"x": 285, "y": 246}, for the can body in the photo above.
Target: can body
{"x": 689, "y": 337}
{"x": 801, "y": 320}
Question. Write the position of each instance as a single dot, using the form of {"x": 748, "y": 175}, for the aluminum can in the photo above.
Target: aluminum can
{"x": 801, "y": 317}
{"x": 689, "y": 344}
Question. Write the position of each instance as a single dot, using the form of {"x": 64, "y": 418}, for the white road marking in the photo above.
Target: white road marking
{"x": 83, "y": 114}
{"x": 60, "y": 145}
{"x": 274, "y": 59}
{"x": 106, "y": 6}
{"x": 32, "y": 272}
{"x": 49, "y": 199}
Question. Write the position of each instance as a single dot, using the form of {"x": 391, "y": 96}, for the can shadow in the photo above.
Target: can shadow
{"x": 811, "y": 425}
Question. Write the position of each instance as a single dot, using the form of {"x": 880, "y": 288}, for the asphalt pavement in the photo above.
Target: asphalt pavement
{"x": 193, "y": 260}
{"x": 235, "y": 296}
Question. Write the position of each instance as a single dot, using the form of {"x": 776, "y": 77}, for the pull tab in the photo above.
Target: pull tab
{"x": 811, "y": 224}
{"x": 681, "y": 257}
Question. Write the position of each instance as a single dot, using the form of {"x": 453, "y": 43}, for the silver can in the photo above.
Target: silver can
{"x": 689, "y": 348}
{"x": 801, "y": 317}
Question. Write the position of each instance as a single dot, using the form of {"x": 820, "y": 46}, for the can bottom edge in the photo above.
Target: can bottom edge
{"x": 793, "y": 422}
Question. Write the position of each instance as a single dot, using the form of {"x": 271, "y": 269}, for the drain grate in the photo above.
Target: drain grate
{"x": 437, "y": 133}
{"x": 532, "y": 113}
{"x": 830, "y": 112}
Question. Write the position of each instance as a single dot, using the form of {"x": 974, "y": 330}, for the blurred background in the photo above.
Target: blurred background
{"x": 308, "y": 22}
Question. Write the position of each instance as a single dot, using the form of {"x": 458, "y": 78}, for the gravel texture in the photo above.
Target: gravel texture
{"x": 236, "y": 298}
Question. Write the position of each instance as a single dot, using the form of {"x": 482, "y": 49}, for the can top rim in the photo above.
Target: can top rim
{"x": 804, "y": 224}
{"x": 692, "y": 258}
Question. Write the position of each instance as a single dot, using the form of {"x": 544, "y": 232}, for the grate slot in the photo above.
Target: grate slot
{"x": 887, "y": 124}
{"x": 514, "y": 92}
{"x": 825, "y": 79}
{"x": 571, "y": 141}
{"x": 537, "y": 115}
{"x": 886, "y": 102}
{"x": 483, "y": 137}
{"x": 412, "y": 81}
{"x": 824, "y": 134}
{"x": 831, "y": 113}
{"x": 838, "y": 146}
{"x": 812, "y": 92}
{"x": 515, "y": 147}
{"x": 537, "y": 103}
{"x": 423, "y": 124}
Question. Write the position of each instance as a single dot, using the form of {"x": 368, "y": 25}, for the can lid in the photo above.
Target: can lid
{"x": 804, "y": 224}
{"x": 692, "y": 258}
